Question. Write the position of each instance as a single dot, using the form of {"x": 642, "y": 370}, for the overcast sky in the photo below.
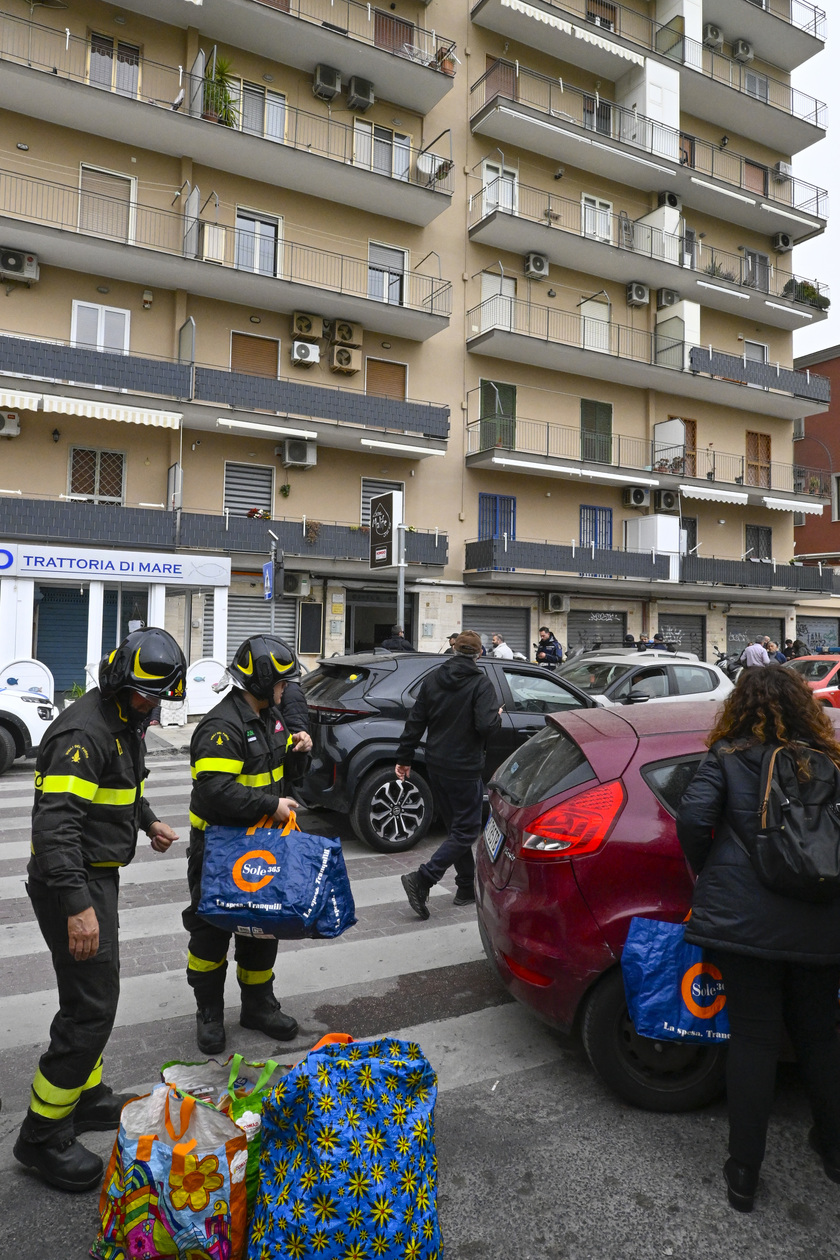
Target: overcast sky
{"x": 819, "y": 259}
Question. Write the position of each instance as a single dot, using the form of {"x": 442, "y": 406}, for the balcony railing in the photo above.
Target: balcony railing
{"x": 133, "y": 224}
{"x": 66, "y": 56}
{"x": 761, "y": 573}
{"x": 799, "y": 13}
{"x": 567, "y": 105}
{"x": 601, "y": 336}
{"x": 618, "y": 231}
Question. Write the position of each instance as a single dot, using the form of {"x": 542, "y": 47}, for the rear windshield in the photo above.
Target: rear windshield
{"x": 549, "y": 763}
{"x": 329, "y": 686}
{"x": 812, "y": 671}
{"x": 594, "y": 676}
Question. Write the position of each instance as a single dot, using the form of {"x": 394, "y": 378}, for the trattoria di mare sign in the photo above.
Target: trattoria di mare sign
{"x": 21, "y": 560}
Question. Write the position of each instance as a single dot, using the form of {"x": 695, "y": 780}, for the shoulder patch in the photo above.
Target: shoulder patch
{"x": 76, "y": 752}
{"x": 220, "y": 738}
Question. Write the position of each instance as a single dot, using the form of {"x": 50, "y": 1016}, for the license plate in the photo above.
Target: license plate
{"x": 493, "y": 839}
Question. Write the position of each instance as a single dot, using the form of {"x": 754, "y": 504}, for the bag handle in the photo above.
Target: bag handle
{"x": 265, "y": 821}
{"x": 332, "y": 1039}
{"x": 186, "y": 1110}
{"x": 265, "y": 1076}
{"x": 268, "y": 821}
{"x": 768, "y": 787}
{"x": 179, "y": 1155}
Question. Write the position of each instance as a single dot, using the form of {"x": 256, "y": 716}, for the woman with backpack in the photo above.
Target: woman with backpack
{"x": 778, "y": 952}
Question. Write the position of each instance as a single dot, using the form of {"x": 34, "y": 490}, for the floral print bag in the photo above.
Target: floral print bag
{"x": 175, "y": 1184}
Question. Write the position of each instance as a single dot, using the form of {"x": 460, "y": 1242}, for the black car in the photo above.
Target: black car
{"x": 358, "y": 706}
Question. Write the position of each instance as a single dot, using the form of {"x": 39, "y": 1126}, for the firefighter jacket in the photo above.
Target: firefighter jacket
{"x": 89, "y": 802}
{"x": 236, "y": 758}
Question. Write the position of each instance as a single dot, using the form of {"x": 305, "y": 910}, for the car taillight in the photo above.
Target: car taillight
{"x": 580, "y": 825}
{"x": 327, "y": 715}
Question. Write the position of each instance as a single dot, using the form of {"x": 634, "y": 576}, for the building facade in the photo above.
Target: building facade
{"x": 264, "y": 259}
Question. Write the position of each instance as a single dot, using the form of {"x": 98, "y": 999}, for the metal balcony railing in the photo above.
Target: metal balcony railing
{"x": 761, "y": 573}
{"x": 133, "y": 224}
{"x": 619, "y": 231}
{"x": 265, "y": 115}
{"x": 506, "y": 314}
{"x": 799, "y": 13}
{"x": 505, "y": 553}
{"x": 567, "y": 105}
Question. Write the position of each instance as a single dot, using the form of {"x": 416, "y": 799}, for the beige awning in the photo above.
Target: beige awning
{"x": 16, "y": 400}
{"x": 793, "y": 505}
{"x": 96, "y": 410}
{"x": 713, "y": 495}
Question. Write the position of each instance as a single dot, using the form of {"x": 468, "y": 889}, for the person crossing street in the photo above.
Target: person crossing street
{"x": 89, "y": 807}
{"x": 237, "y": 755}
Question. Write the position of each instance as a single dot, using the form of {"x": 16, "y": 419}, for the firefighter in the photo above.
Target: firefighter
{"x": 236, "y": 756}
{"x": 89, "y": 806}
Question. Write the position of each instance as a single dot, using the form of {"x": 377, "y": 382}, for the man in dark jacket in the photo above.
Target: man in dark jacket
{"x": 397, "y": 642}
{"x": 457, "y": 706}
{"x": 549, "y": 651}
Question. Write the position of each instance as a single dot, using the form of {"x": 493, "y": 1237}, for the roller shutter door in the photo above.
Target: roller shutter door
{"x": 249, "y": 615}
{"x": 818, "y": 632}
{"x": 248, "y": 486}
{"x": 687, "y": 633}
{"x": 741, "y": 630}
{"x": 512, "y": 623}
{"x": 585, "y": 629}
{"x": 62, "y": 634}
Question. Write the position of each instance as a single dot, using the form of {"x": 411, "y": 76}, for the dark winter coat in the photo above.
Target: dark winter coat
{"x": 458, "y": 706}
{"x": 552, "y": 649}
{"x": 295, "y": 714}
{"x": 397, "y": 643}
{"x": 236, "y": 758}
{"x": 732, "y": 910}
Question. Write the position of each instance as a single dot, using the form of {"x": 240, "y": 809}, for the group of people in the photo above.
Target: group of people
{"x": 762, "y": 650}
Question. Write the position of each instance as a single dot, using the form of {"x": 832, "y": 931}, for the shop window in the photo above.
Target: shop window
{"x": 96, "y": 476}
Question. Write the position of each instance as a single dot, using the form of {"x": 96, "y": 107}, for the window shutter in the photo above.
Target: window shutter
{"x": 385, "y": 378}
{"x": 371, "y": 487}
{"x": 257, "y": 356}
{"x": 247, "y": 487}
{"x": 104, "y": 204}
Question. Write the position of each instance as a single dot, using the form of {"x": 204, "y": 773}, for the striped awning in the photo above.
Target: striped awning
{"x": 713, "y": 495}
{"x": 96, "y": 410}
{"x": 793, "y": 505}
{"x": 16, "y": 400}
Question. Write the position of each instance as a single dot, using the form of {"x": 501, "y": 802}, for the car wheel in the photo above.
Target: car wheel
{"x": 8, "y": 752}
{"x": 391, "y": 816}
{"x": 653, "y": 1075}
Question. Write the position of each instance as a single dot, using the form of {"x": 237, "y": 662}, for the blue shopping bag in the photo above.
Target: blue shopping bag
{"x": 673, "y": 992}
{"x": 270, "y": 882}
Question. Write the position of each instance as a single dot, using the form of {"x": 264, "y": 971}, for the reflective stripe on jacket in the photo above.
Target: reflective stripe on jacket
{"x": 236, "y": 761}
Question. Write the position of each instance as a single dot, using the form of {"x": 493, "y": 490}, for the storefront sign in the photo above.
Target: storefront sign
{"x": 98, "y": 564}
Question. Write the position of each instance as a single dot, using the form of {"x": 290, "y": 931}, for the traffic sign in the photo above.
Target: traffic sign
{"x": 268, "y": 580}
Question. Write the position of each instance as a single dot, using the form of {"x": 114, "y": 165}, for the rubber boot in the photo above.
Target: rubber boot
{"x": 261, "y": 1010}
{"x": 60, "y": 1160}
{"x": 210, "y": 1029}
{"x": 99, "y": 1109}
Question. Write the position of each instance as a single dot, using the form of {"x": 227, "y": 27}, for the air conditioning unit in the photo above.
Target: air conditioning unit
{"x": 17, "y": 265}
{"x": 304, "y": 353}
{"x": 782, "y": 172}
{"x": 536, "y": 266}
{"x": 670, "y": 199}
{"x": 360, "y": 94}
{"x": 307, "y": 327}
{"x": 296, "y": 585}
{"x": 9, "y": 424}
{"x": 326, "y": 82}
{"x": 297, "y": 453}
{"x": 638, "y": 294}
{"x": 554, "y": 602}
{"x": 666, "y": 501}
{"x": 346, "y": 334}
{"x": 212, "y": 247}
{"x": 666, "y": 297}
{"x": 636, "y": 496}
{"x": 345, "y": 359}
{"x": 742, "y": 50}
{"x": 713, "y": 37}
{"x": 783, "y": 242}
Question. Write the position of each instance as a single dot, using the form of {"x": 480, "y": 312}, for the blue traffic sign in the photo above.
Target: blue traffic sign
{"x": 268, "y": 580}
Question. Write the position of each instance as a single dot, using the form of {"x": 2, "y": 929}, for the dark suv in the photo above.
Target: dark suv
{"x": 358, "y": 706}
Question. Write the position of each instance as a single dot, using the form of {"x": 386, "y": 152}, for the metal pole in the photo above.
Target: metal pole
{"x": 400, "y": 573}
{"x": 273, "y": 579}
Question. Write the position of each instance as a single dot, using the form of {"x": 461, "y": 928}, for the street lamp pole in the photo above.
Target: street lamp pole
{"x": 272, "y": 552}
{"x": 400, "y": 528}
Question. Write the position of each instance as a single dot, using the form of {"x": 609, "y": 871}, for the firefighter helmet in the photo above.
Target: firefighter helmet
{"x": 148, "y": 661}
{"x": 260, "y": 663}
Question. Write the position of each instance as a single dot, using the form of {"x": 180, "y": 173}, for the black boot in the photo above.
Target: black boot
{"x": 831, "y": 1164}
{"x": 741, "y": 1184}
{"x": 417, "y": 891}
{"x": 210, "y": 1029}
{"x": 464, "y": 897}
{"x": 99, "y": 1109}
{"x": 261, "y": 1010}
{"x": 63, "y": 1161}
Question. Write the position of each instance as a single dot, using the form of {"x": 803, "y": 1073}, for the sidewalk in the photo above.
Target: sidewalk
{"x": 168, "y": 741}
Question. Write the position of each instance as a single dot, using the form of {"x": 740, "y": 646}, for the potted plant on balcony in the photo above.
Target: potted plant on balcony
{"x": 814, "y": 485}
{"x": 804, "y": 291}
{"x": 717, "y": 269}
{"x": 219, "y": 102}
{"x": 445, "y": 60}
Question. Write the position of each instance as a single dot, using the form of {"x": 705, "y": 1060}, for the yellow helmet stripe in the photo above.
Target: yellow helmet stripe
{"x": 247, "y": 668}
{"x": 283, "y": 669}
{"x": 138, "y": 670}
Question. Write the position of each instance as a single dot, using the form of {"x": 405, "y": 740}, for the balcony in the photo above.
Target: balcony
{"x": 519, "y": 218}
{"x": 408, "y": 65}
{"x": 790, "y": 32}
{"x": 713, "y": 86}
{"x": 531, "y": 111}
{"x": 104, "y": 236}
{"x": 521, "y": 332}
{"x": 46, "y": 74}
{"x": 767, "y": 575}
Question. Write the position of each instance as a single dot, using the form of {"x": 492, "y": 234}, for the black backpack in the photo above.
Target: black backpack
{"x": 797, "y": 849}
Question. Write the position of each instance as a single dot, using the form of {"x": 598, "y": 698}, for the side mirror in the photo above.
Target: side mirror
{"x": 637, "y": 697}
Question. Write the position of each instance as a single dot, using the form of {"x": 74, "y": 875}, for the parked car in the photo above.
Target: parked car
{"x": 631, "y": 677}
{"x": 358, "y": 706}
{"x": 822, "y": 674}
{"x": 24, "y": 717}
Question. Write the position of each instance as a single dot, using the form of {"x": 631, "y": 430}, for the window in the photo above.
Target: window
{"x": 597, "y": 115}
{"x": 385, "y": 378}
{"x": 381, "y": 149}
{"x": 597, "y": 217}
{"x": 691, "y": 680}
{"x": 755, "y": 177}
{"x": 757, "y": 85}
{"x": 96, "y": 476}
{"x": 386, "y": 273}
{"x": 755, "y": 352}
{"x": 798, "y": 428}
{"x": 371, "y": 487}
{"x": 601, "y": 14}
{"x": 596, "y": 527}
{"x": 689, "y": 248}
{"x": 759, "y": 542}
{"x": 534, "y": 694}
{"x": 595, "y": 431}
{"x": 758, "y": 460}
{"x": 257, "y": 242}
{"x": 496, "y": 515}
{"x": 497, "y": 300}
{"x": 689, "y": 525}
{"x": 248, "y": 487}
{"x": 261, "y": 113}
{"x": 686, "y": 149}
{"x": 497, "y": 403}
{"x": 256, "y": 356}
{"x": 114, "y": 65}
{"x": 595, "y": 324}
{"x": 756, "y": 270}
{"x": 652, "y": 682}
{"x": 392, "y": 33}
{"x": 547, "y": 765}
{"x": 100, "y": 327}
{"x": 106, "y": 204}
{"x": 669, "y": 780}
{"x": 690, "y": 456}
{"x": 500, "y": 188}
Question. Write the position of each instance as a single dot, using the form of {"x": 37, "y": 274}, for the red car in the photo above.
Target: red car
{"x": 822, "y": 674}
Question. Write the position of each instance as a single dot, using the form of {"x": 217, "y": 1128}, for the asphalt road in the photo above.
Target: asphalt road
{"x": 538, "y": 1161}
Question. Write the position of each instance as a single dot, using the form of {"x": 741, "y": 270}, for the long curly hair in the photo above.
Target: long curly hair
{"x": 772, "y": 704}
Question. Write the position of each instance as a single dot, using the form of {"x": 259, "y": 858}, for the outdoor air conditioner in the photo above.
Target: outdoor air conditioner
{"x": 298, "y": 453}
{"x": 636, "y": 496}
{"x": 9, "y": 424}
{"x": 713, "y": 37}
{"x": 783, "y": 242}
{"x": 326, "y": 82}
{"x": 345, "y": 359}
{"x": 346, "y": 334}
{"x": 360, "y": 94}
{"x": 554, "y": 602}
{"x": 212, "y": 247}
{"x": 638, "y": 294}
{"x": 742, "y": 50}
{"x": 666, "y": 297}
{"x": 304, "y": 353}
{"x": 307, "y": 327}
{"x": 536, "y": 266}
{"x": 671, "y": 199}
{"x": 782, "y": 172}
{"x": 17, "y": 265}
{"x": 666, "y": 501}
{"x": 296, "y": 585}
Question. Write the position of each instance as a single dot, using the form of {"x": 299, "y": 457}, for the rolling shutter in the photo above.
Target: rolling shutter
{"x": 385, "y": 378}
{"x": 255, "y": 355}
{"x": 371, "y": 487}
{"x": 687, "y": 633}
{"x": 248, "y": 486}
{"x": 585, "y": 629}
{"x": 104, "y": 204}
{"x": 817, "y": 632}
{"x": 62, "y": 634}
{"x": 741, "y": 630}
{"x": 247, "y": 615}
{"x": 513, "y": 624}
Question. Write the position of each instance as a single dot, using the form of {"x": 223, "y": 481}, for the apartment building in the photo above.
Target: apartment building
{"x": 530, "y": 263}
